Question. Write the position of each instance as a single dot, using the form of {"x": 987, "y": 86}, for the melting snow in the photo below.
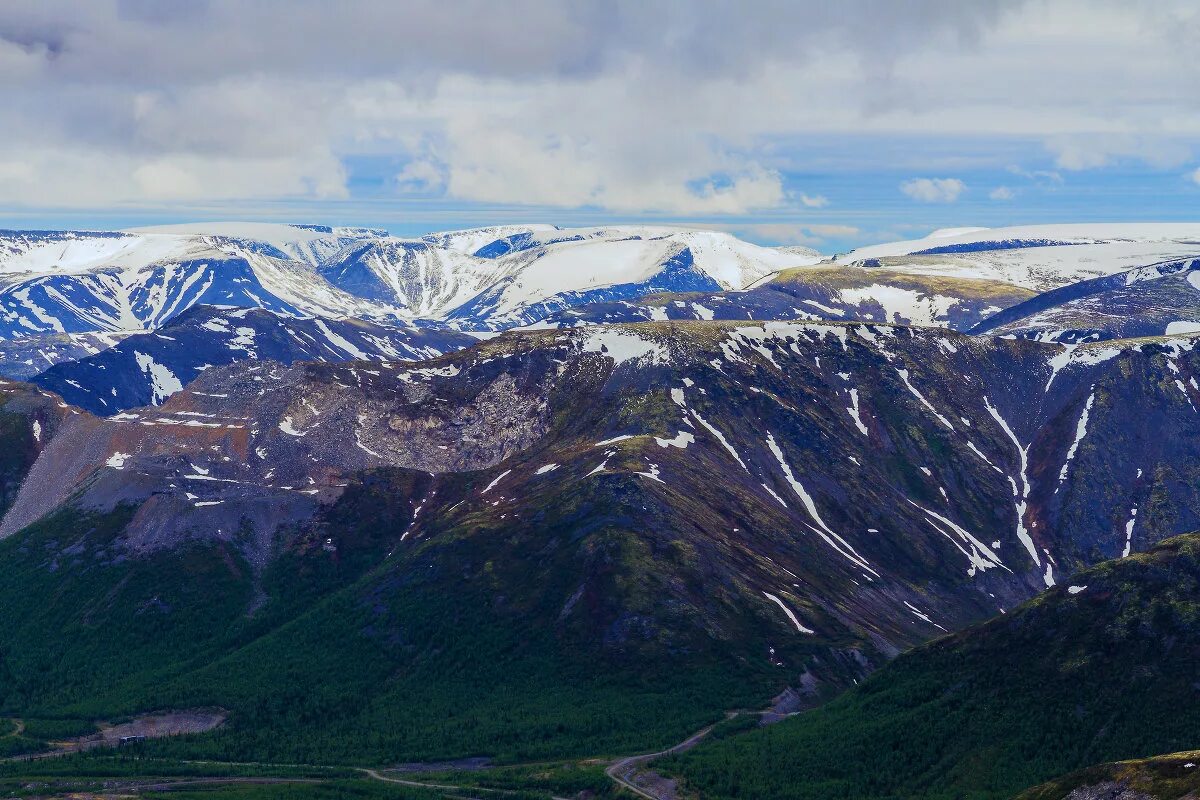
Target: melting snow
{"x": 904, "y": 377}
{"x": 495, "y": 480}
{"x": 921, "y": 614}
{"x": 790, "y": 615}
{"x": 981, "y": 557}
{"x": 652, "y": 474}
{"x": 1080, "y": 432}
{"x": 1183, "y": 326}
{"x": 855, "y": 414}
{"x": 681, "y": 440}
{"x": 546, "y": 468}
{"x": 1129, "y": 532}
{"x": 163, "y": 382}
{"x": 622, "y": 346}
{"x": 1021, "y": 495}
{"x": 824, "y": 531}
{"x": 614, "y": 440}
{"x": 721, "y": 438}
{"x": 117, "y": 460}
{"x": 1076, "y": 589}
{"x": 773, "y": 494}
{"x": 342, "y": 343}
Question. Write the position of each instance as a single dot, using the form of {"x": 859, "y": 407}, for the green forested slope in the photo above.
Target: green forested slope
{"x": 1108, "y": 672}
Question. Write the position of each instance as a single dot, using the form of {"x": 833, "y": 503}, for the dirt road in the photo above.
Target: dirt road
{"x": 377, "y": 775}
{"x": 149, "y": 726}
{"x": 624, "y": 772}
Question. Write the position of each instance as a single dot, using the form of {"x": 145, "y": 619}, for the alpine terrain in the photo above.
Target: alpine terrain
{"x": 320, "y": 511}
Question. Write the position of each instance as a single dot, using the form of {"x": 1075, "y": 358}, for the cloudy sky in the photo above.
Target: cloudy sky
{"x": 830, "y": 124}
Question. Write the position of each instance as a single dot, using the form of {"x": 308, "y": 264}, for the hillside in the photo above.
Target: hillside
{"x": 145, "y": 369}
{"x": 1169, "y": 777}
{"x": 1155, "y": 300}
{"x": 343, "y": 554}
{"x": 820, "y": 292}
{"x": 1100, "y": 668}
{"x": 78, "y": 282}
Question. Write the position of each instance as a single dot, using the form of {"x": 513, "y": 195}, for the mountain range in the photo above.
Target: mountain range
{"x": 530, "y": 492}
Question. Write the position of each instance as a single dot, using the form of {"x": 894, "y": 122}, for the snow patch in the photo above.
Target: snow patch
{"x": 622, "y": 346}
{"x": 163, "y": 382}
{"x": 790, "y": 614}
{"x": 681, "y": 440}
{"x": 831, "y": 538}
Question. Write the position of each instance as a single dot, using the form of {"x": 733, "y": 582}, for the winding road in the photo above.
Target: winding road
{"x": 377, "y": 775}
{"x": 623, "y": 771}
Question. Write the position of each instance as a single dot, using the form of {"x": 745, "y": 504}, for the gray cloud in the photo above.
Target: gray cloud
{"x": 145, "y": 42}
{"x": 684, "y": 106}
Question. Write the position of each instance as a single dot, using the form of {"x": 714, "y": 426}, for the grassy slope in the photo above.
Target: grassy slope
{"x": 454, "y": 647}
{"x": 845, "y": 277}
{"x": 1168, "y": 777}
{"x": 1062, "y": 682}
{"x": 126, "y": 774}
{"x": 449, "y": 648}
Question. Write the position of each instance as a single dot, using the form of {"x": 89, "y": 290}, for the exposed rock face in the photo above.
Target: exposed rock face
{"x": 820, "y": 292}
{"x": 147, "y": 368}
{"x": 1107, "y": 791}
{"x": 1156, "y": 300}
{"x": 870, "y": 484}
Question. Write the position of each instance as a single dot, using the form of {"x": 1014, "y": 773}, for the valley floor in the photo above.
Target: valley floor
{"x": 100, "y": 765}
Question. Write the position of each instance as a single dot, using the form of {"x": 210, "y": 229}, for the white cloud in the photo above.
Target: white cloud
{"x": 1002, "y": 193}
{"x": 790, "y": 233}
{"x": 834, "y": 230}
{"x": 64, "y": 178}
{"x": 1039, "y": 176}
{"x": 420, "y": 175}
{"x": 621, "y": 107}
{"x": 1196, "y": 176}
{"x": 933, "y": 190}
{"x": 1092, "y": 151}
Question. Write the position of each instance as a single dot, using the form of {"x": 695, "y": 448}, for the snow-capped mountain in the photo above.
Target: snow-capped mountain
{"x": 235, "y": 470}
{"x": 418, "y": 279}
{"x": 29, "y": 355}
{"x": 561, "y": 269}
{"x": 1038, "y": 257}
{"x": 82, "y": 282}
{"x": 1155, "y": 300}
{"x": 147, "y": 368}
{"x": 821, "y": 292}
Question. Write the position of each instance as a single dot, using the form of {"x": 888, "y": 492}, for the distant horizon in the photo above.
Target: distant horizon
{"x": 826, "y": 126}
{"x": 742, "y": 231}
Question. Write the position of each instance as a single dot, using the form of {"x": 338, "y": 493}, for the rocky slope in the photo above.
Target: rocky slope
{"x": 1037, "y": 257}
{"x": 1169, "y": 777}
{"x": 87, "y": 282}
{"x": 775, "y": 504}
{"x": 819, "y": 292}
{"x": 1155, "y": 300}
{"x": 147, "y": 368}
